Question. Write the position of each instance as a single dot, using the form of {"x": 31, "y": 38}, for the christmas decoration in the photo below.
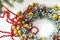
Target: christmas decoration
{"x": 22, "y": 23}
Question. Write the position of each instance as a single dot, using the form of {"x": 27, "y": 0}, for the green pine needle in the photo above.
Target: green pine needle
{"x": 0, "y": 7}
{"x": 8, "y": 2}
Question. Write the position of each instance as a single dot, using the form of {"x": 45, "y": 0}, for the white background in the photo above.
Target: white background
{"x": 45, "y": 26}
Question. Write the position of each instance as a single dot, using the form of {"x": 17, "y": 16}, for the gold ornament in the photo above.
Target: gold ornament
{"x": 59, "y": 17}
{"x": 42, "y": 38}
{"x": 13, "y": 27}
{"x": 16, "y": 34}
{"x": 57, "y": 7}
{"x": 24, "y": 35}
{"x": 23, "y": 22}
{"x": 19, "y": 22}
{"x": 55, "y": 16}
{"x": 26, "y": 25}
{"x": 21, "y": 38}
{"x": 30, "y": 13}
{"x": 18, "y": 27}
{"x": 15, "y": 31}
{"x": 19, "y": 32}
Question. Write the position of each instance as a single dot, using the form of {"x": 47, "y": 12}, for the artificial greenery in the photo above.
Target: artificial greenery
{"x": 0, "y": 7}
{"x": 9, "y": 3}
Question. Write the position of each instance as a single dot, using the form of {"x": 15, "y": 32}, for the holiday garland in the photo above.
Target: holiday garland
{"x": 22, "y": 23}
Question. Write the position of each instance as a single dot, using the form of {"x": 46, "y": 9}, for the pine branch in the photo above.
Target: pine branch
{"x": 7, "y": 2}
{"x": 0, "y": 7}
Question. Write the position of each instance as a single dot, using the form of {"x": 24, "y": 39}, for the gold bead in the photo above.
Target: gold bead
{"x": 19, "y": 32}
{"x": 26, "y": 25}
{"x": 30, "y": 13}
{"x": 19, "y": 17}
{"x": 18, "y": 27}
{"x": 19, "y": 22}
{"x": 21, "y": 38}
{"x": 55, "y": 16}
{"x": 23, "y": 22}
{"x": 42, "y": 38}
{"x": 59, "y": 17}
{"x": 56, "y": 9}
{"x": 15, "y": 31}
{"x": 13, "y": 27}
{"x": 16, "y": 34}
{"x": 24, "y": 35}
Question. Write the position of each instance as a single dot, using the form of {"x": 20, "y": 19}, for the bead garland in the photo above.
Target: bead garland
{"x": 22, "y": 23}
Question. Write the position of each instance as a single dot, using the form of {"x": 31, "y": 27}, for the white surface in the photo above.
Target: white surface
{"x": 44, "y": 25}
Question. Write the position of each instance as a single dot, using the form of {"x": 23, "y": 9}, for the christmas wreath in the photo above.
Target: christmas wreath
{"x": 22, "y": 23}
